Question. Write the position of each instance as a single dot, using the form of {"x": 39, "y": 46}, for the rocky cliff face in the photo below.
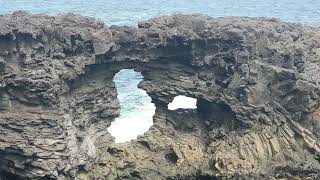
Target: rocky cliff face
{"x": 255, "y": 79}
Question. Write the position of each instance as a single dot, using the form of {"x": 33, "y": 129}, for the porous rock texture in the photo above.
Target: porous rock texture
{"x": 255, "y": 79}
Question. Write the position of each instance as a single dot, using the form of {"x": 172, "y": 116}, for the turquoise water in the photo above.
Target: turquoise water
{"x": 120, "y": 12}
{"x": 136, "y": 106}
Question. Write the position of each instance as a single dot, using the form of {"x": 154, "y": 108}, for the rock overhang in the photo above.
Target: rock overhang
{"x": 58, "y": 96}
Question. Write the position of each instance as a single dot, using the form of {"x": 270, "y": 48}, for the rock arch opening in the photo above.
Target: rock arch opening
{"x": 136, "y": 114}
{"x": 182, "y": 102}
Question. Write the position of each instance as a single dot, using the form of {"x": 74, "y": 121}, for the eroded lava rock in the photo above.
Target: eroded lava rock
{"x": 255, "y": 79}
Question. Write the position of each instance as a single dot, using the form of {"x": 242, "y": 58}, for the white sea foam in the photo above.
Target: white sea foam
{"x": 128, "y": 127}
{"x": 183, "y": 102}
{"x": 136, "y": 116}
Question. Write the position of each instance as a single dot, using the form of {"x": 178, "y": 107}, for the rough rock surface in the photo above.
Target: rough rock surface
{"x": 255, "y": 79}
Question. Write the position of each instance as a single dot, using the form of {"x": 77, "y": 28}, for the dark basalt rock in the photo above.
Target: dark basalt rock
{"x": 256, "y": 81}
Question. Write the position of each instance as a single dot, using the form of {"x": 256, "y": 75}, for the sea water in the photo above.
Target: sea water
{"x": 129, "y": 12}
{"x": 136, "y": 106}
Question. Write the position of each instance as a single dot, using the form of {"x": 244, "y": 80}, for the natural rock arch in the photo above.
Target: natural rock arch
{"x": 58, "y": 97}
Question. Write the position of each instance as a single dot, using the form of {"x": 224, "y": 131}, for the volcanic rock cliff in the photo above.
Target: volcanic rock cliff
{"x": 255, "y": 79}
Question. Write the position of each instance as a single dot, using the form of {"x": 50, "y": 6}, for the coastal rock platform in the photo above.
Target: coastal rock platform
{"x": 256, "y": 81}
